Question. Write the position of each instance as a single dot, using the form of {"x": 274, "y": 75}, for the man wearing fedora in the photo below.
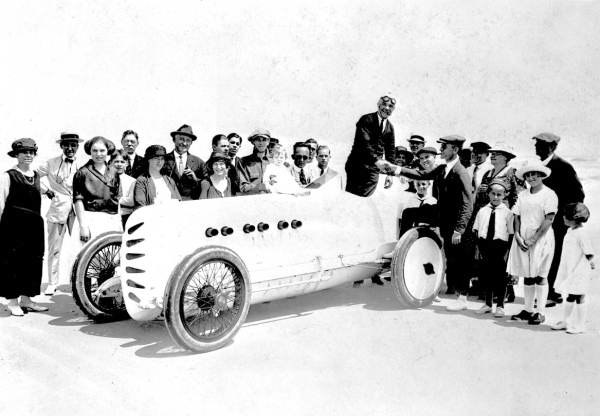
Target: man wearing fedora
{"x": 374, "y": 144}
{"x": 252, "y": 167}
{"x": 184, "y": 168}
{"x": 57, "y": 183}
{"x": 564, "y": 182}
{"x": 452, "y": 188}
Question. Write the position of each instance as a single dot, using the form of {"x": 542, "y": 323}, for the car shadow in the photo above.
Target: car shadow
{"x": 151, "y": 339}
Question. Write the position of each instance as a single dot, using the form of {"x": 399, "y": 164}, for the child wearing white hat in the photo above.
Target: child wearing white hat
{"x": 532, "y": 249}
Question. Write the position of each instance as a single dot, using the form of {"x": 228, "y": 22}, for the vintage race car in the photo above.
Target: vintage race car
{"x": 203, "y": 263}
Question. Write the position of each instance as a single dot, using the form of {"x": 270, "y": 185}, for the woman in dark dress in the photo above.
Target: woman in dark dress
{"x": 218, "y": 184}
{"x": 22, "y": 231}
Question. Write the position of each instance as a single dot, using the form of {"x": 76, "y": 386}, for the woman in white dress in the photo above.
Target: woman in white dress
{"x": 576, "y": 269}
{"x": 532, "y": 249}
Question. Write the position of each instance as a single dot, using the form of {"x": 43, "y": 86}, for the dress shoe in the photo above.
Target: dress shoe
{"x": 536, "y": 319}
{"x": 50, "y": 289}
{"x": 550, "y": 303}
{"x": 376, "y": 280}
{"x": 15, "y": 310}
{"x": 522, "y": 316}
{"x": 459, "y": 305}
{"x": 34, "y": 307}
{"x": 484, "y": 309}
{"x": 357, "y": 283}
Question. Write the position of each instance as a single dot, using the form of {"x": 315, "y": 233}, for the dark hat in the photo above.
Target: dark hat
{"x": 22, "y": 145}
{"x": 273, "y": 140}
{"x": 454, "y": 139}
{"x": 69, "y": 137}
{"x": 547, "y": 137}
{"x": 407, "y": 153}
{"x": 577, "y": 211}
{"x": 185, "y": 130}
{"x": 499, "y": 181}
{"x": 154, "y": 150}
{"x": 480, "y": 147}
{"x": 427, "y": 149}
{"x": 416, "y": 138}
{"x": 259, "y": 133}
{"x": 216, "y": 156}
{"x": 110, "y": 146}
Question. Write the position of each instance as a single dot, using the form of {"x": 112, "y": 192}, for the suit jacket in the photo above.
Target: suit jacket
{"x": 564, "y": 182}
{"x": 139, "y": 167}
{"x": 371, "y": 144}
{"x": 188, "y": 188}
{"x": 453, "y": 193}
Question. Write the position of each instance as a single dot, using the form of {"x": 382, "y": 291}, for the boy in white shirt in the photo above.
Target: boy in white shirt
{"x": 493, "y": 227}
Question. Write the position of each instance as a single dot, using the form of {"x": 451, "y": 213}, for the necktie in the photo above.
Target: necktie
{"x": 302, "y": 177}
{"x": 491, "y": 226}
{"x": 180, "y": 165}
{"x": 381, "y": 125}
{"x": 322, "y": 171}
{"x": 128, "y": 167}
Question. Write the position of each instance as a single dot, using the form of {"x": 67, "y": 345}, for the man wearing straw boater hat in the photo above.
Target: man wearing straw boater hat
{"x": 184, "y": 168}
{"x": 58, "y": 175}
{"x": 374, "y": 144}
{"x": 564, "y": 182}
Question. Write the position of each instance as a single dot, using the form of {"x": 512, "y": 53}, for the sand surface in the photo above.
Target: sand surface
{"x": 342, "y": 351}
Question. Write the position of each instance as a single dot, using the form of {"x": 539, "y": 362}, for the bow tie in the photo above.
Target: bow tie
{"x": 67, "y": 160}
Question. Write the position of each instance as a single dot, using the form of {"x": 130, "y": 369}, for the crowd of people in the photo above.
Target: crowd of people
{"x": 516, "y": 223}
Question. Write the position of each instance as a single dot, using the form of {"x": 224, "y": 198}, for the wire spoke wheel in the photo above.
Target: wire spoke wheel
{"x": 208, "y": 297}
{"x": 96, "y": 288}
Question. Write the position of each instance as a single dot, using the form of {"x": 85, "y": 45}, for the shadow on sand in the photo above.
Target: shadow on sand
{"x": 151, "y": 339}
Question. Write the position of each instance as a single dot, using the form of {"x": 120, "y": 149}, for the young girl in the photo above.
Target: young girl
{"x": 575, "y": 270}
{"x": 278, "y": 178}
{"x": 22, "y": 231}
{"x": 532, "y": 249}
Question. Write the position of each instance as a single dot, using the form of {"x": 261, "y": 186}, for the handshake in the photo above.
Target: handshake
{"x": 386, "y": 167}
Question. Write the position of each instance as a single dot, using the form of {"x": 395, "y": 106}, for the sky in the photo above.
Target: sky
{"x": 488, "y": 70}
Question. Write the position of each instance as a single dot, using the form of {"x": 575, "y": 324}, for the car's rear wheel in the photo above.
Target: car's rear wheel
{"x": 95, "y": 285}
{"x": 418, "y": 267}
{"x": 207, "y": 299}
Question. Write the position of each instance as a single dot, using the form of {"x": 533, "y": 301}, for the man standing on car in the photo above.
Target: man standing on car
{"x": 184, "y": 168}
{"x": 374, "y": 141}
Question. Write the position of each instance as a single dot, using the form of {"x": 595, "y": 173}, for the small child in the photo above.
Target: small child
{"x": 575, "y": 269}
{"x": 278, "y": 178}
{"x": 419, "y": 208}
{"x": 532, "y": 248}
{"x": 493, "y": 226}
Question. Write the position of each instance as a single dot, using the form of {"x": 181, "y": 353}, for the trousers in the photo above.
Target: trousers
{"x": 493, "y": 269}
{"x": 56, "y": 235}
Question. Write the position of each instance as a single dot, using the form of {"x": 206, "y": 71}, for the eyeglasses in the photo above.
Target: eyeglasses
{"x": 261, "y": 139}
{"x": 301, "y": 157}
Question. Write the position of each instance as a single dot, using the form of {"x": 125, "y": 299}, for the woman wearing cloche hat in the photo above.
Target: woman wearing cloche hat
{"x": 22, "y": 254}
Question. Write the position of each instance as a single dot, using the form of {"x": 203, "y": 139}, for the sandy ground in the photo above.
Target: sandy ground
{"x": 343, "y": 351}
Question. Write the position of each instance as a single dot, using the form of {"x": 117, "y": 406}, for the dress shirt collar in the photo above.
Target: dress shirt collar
{"x": 548, "y": 159}
{"x": 450, "y": 165}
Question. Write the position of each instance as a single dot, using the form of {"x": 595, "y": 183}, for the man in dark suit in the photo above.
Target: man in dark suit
{"x": 135, "y": 163}
{"x": 373, "y": 141}
{"x": 452, "y": 188}
{"x": 184, "y": 168}
{"x": 564, "y": 182}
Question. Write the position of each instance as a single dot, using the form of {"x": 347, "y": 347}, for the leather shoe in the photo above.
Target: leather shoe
{"x": 34, "y": 307}
{"x": 376, "y": 280}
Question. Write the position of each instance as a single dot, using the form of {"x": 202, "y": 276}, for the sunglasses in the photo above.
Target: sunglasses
{"x": 301, "y": 157}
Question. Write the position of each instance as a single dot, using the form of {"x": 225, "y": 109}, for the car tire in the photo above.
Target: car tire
{"x": 418, "y": 267}
{"x": 207, "y": 299}
{"x": 94, "y": 265}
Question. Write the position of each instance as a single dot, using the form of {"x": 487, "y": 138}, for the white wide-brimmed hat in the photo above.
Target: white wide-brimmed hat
{"x": 503, "y": 148}
{"x": 533, "y": 166}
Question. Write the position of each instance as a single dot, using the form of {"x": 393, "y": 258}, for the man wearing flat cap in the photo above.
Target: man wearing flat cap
{"x": 564, "y": 182}
{"x": 452, "y": 188}
{"x": 416, "y": 142}
{"x": 184, "y": 168}
{"x": 374, "y": 144}
{"x": 479, "y": 155}
{"x": 251, "y": 168}
{"x": 57, "y": 183}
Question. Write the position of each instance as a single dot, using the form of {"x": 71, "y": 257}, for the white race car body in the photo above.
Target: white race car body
{"x": 341, "y": 238}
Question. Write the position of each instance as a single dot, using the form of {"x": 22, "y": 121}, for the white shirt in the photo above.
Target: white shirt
{"x": 449, "y": 166}
{"x": 415, "y": 200}
{"x": 310, "y": 172}
{"x": 127, "y": 191}
{"x": 180, "y": 166}
{"x": 503, "y": 225}
{"x": 478, "y": 171}
{"x": 163, "y": 193}
{"x": 385, "y": 121}
{"x": 58, "y": 175}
